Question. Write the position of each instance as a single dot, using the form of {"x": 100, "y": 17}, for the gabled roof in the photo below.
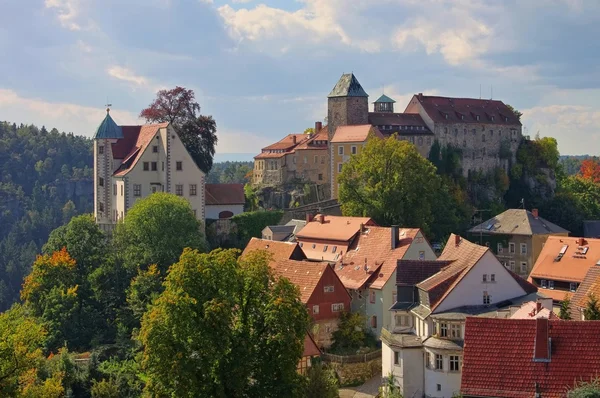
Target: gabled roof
{"x": 279, "y": 250}
{"x": 449, "y": 110}
{"x": 143, "y": 139}
{"x": 225, "y": 194}
{"x": 348, "y": 86}
{"x": 287, "y": 142}
{"x": 310, "y": 347}
{"x": 498, "y": 358}
{"x": 385, "y": 98}
{"x": 401, "y": 123}
{"x": 335, "y": 228}
{"x": 108, "y": 129}
{"x": 518, "y": 222}
{"x": 412, "y": 272}
{"x": 590, "y": 285}
{"x": 577, "y": 257}
{"x": 304, "y": 274}
{"x": 316, "y": 141}
{"x": 356, "y": 133}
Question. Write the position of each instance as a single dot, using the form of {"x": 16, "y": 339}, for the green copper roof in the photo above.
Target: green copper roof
{"x": 348, "y": 86}
{"x": 108, "y": 129}
{"x": 385, "y": 98}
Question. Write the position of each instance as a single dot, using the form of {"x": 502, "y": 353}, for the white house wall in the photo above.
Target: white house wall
{"x": 212, "y": 211}
{"x": 470, "y": 289}
{"x": 449, "y": 381}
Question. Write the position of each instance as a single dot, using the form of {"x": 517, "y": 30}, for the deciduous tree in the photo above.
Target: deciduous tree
{"x": 590, "y": 170}
{"x": 591, "y": 312}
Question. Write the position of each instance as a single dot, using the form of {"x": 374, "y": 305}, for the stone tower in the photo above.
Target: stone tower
{"x": 384, "y": 104}
{"x": 107, "y": 134}
{"x": 347, "y": 104}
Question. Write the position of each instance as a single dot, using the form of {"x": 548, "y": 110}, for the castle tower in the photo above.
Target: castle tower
{"x": 347, "y": 104}
{"x": 384, "y": 104}
{"x": 107, "y": 134}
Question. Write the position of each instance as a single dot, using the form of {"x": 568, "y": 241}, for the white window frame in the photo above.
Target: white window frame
{"x": 551, "y": 284}
{"x": 316, "y": 309}
{"x": 353, "y": 150}
{"x": 512, "y": 265}
{"x": 492, "y": 277}
{"x": 372, "y": 296}
{"x": 337, "y": 307}
{"x": 340, "y": 167}
{"x": 438, "y": 362}
{"x": 137, "y": 190}
{"x": 484, "y": 278}
{"x": 499, "y": 248}
{"x": 328, "y": 289}
{"x": 544, "y": 284}
{"x": 396, "y": 358}
{"x": 443, "y": 329}
{"x": 455, "y": 331}
{"x": 523, "y": 248}
{"x": 454, "y": 363}
{"x": 340, "y": 150}
{"x": 523, "y": 268}
{"x": 101, "y": 149}
{"x": 573, "y": 286}
{"x": 511, "y": 248}
{"x": 487, "y": 299}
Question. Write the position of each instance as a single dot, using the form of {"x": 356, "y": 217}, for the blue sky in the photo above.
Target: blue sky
{"x": 264, "y": 68}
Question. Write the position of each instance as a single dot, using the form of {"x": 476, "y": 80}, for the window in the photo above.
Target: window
{"x": 328, "y": 289}
{"x": 179, "y": 189}
{"x": 511, "y": 248}
{"x": 477, "y": 117}
{"x": 339, "y": 167}
{"x": 163, "y": 166}
{"x": 101, "y": 149}
{"x": 493, "y": 278}
{"x": 523, "y": 248}
{"x": 500, "y": 248}
{"x": 325, "y": 248}
{"x": 428, "y": 140}
{"x": 550, "y": 284}
{"x": 121, "y": 190}
{"x": 193, "y": 189}
{"x": 340, "y": 150}
{"x": 178, "y": 166}
{"x": 487, "y": 299}
{"x": 572, "y": 286}
{"x": 455, "y": 331}
{"x": 316, "y": 159}
{"x": 101, "y": 207}
{"x": 101, "y": 181}
{"x": 333, "y": 249}
{"x": 372, "y": 296}
{"x": 315, "y": 309}
{"x": 396, "y": 358}
{"x": 146, "y": 166}
{"x": 320, "y": 177}
{"x": 484, "y": 279}
{"x": 137, "y": 189}
{"x": 337, "y": 307}
{"x": 154, "y": 166}
{"x": 544, "y": 283}
{"x": 305, "y": 159}
{"x": 374, "y": 322}
{"x": 443, "y": 330}
{"x": 474, "y": 131}
{"x": 454, "y": 363}
{"x": 439, "y": 387}
{"x": 115, "y": 189}
{"x": 353, "y": 149}
{"x": 428, "y": 360}
{"x": 422, "y": 255}
{"x": 523, "y": 267}
{"x": 512, "y": 265}
{"x": 155, "y": 148}
{"x": 314, "y": 245}
{"x": 439, "y": 362}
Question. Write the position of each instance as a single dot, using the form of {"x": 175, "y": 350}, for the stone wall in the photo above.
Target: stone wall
{"x": 343, "y": 111}
{"x": 354, "y": 374}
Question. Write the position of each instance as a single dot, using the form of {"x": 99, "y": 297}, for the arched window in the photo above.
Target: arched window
{"x": 225, "y": 214}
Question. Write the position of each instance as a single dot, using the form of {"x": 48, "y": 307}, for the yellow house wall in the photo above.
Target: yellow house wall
{"x": 341, "y": 159}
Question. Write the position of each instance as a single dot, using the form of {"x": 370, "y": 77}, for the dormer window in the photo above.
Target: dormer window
{"x": 544, "y": 283}
{"x": 572, "y": 286}
{"x": 550, "y": 284}
{"x": 443, "y": 330}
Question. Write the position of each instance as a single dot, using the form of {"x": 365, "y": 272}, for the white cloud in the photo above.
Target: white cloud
{"x": 121, "y": 73}
{"x": 83, "y": 46}
{"x": 68, "y": 11}
{"x": 81, "y": 120}
{"x": 240, "y": 142}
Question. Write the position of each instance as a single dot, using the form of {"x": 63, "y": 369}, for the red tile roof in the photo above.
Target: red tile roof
{"x": 498, "y": 356}
{"x": 465, "y": 110}
{"x": 304, "y": 274}
{"x": 574, "y": 263}
{"x": 143, "y": 139}
{"x": 333, "y": 228}
{"x": 225, "y": 194}
{"x": 287, "y": 142}
{"x": 279, "y": 250}
{"x": 358, "y": 133}
{"x": 311, "y": 143}
{"x": 267, "y": 155}
{"x": 590, "y": 285}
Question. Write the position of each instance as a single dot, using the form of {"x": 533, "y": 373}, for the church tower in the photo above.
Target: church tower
{"x": 347, "y": 104}
{"x": 107, "y": 134}
{"x": 384, "y": 104}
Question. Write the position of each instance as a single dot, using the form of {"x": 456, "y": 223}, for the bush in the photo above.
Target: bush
{"x": 351, "y": 335}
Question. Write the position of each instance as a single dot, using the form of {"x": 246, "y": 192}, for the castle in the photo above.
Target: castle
{"x": 487, "y": 132}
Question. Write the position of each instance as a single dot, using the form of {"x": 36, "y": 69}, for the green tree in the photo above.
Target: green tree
{"x": 156, "y": 231}
{"x": 515, "y": 111}
{"x": 250, "y": 192}
{"x": 390, "y": 389}
{"x": 224, "y": 328}
{"x": 392, "y": 183}
{"x": 321, "y": 382}
{"x": 105, "y": 389}
{"x": 144, "y": 288}
{"x": 585, "y": 389}
{"x": 351, "y": 334}
{"x": 591, "y": 312}
{"x": 565, "y": 310}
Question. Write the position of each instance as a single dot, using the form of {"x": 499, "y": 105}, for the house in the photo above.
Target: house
{"x": 312, "y": 157}
{"x": 310, "y": 352}
{"x": 224, "y": 200}
{"x": 563, "y": 265}
{"x": 368, "y": 269}
{"x": 516, "y": 236}
{"x": 423, "y": 347}
{"x": 279, "y": 251}
{"x": 327, "y": 238}
{"x": 285, "y": 232}
{"x": 542, "y": 308}
{"x": 522, "y": 358}
{"x": 348, "y": 141}
{"x": 589, "y": 286}
{"x": 132, "y": 162}
{"x": 321, "y": 291}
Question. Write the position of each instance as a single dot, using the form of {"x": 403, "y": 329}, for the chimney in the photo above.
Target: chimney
{"x": 538, "y": 307}
{"x": 394, "y": 236}
{"x": 581, "y": 241}
{"x": 318, "y": 127}
{"x": 309, "y": 217}
{"x": 457, "y": 240}
{"x": 321, "y": 218}
{"x": 534, "y": 212}
{"x": 420, "y": 95}
{"x": 362, "y": 228}
{"x": 542, "y": 341}
{"x": 294, "y": 139}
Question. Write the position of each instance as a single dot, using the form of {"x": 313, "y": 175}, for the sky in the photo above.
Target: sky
{"x": 263, "y": 69}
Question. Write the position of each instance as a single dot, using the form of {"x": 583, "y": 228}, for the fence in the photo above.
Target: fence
{"x": 358, "y": 358}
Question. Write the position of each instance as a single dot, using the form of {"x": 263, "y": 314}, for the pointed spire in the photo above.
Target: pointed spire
{"x": 108, "y": 129}
{"x": 348, "y": 86}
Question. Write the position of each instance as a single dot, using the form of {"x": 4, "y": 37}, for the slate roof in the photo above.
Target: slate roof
{"x": 518, "y": 222}
{"x": 279, "y": 250}
{"x": 225, "y": 194}
{"x": 442, "y": 344}
{"x": 348, "y": 86}
{"x": 412, "y": 272}
{"x": 385, "y": 98}
{"x": 573, "y": 265}
{"x": 282, "y": 228}
{"x": 357, "y": 133}
{"x": 590, "y": 285}
{"x": 108, "y": 129}
{"x": 466, "y": 110}
{"x": 498, "y": 357}
{"x": 143, "y": 138}
{"x": 591, "y": 229}
{"x": 304, "y": 274}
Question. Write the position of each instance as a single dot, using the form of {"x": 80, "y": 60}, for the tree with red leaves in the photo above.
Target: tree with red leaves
{"x": 197, "y": 132}
{"x": 590, "y": 169}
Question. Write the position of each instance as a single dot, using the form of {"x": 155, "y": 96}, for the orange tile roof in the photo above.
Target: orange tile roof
{"x": 324, "y": 251}
{"x": 555, "y": 294}
{"x": 321, "y": 135}
{"x": 267, "y": 155}
{"x": 333, "y": 228}
{"x": 574, "y": 263}
{"x": 304, "y": 274}
{"x": 354, "y": 275}
{"x": 358, "y": 133}
{"x": 144, "y": 138}
{"x": 590, "y": 285}
{"x": 287, "y": 142}
{"x": 279, "y": 250}
{"x": 529, "y": 310}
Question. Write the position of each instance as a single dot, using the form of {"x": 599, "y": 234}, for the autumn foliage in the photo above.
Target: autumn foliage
{"x": 590, "y": 169}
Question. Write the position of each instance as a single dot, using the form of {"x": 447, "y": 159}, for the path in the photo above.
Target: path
{"x": 368, "y": 390}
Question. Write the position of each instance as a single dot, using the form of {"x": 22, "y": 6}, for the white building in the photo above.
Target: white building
{"x": 423, "y": 347}
{"x": 131, "y": 162}
{"x": 224, "y": 200}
